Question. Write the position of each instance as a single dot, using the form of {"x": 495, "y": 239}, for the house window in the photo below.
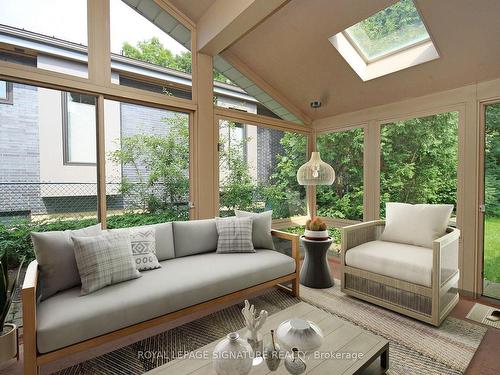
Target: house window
{"x": 79, "y": 128}
{"x": 6, "y": 96}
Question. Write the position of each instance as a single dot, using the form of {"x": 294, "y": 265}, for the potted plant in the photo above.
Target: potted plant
{"x": 8, "y": 331}
{"x": 316, "y": 230}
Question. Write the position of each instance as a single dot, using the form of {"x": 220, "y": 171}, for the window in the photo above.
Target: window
{"x": 257, "y": 170}
{"x": 419, "y": 160}
{"x": 391, "y": 40}
{"x": 37, "y": 190}
{"x": 6, "y": 94}
{"x": 49, "y": 35}
{"x": 154, "y": 55}
{"x": 343, "y": 150}
{"x": 147, "y": 164}
{"x": 394, "y": 28}
{"x": 79, "y": 128}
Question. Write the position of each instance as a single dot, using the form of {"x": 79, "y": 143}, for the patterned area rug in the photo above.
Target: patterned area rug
{"x": 415, "y": 348}
{"x": 479, "y": 313}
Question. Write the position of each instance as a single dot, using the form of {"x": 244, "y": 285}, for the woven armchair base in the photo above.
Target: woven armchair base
{"x": 405, "y": 299}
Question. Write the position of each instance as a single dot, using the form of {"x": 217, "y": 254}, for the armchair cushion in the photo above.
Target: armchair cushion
{"x": 400, "y": 261}
{"x": 416, "y": 224}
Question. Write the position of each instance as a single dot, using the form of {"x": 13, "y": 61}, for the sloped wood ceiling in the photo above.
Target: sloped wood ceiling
{"x": 291, "y": 51}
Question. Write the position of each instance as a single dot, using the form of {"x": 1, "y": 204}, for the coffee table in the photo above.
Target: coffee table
{"x": 340, "y": 337}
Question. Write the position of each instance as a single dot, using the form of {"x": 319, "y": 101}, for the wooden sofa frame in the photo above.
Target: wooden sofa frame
{"x": 428, "y": 304}
{"x": 34, "y": 360}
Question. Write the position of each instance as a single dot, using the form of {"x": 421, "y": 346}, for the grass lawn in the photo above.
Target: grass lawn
{"x": 492, "y": 249}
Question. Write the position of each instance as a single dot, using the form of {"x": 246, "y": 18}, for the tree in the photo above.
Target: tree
{"x": 154, "y": 52}
{"x": 419, "y": 160}
{"x": 237, "y": 190}
{"x": 161, "y": 165}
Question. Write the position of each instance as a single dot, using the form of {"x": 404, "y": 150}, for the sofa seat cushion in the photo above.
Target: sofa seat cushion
{"x": 68, "y": 318}
{"x": 400, "y": 261}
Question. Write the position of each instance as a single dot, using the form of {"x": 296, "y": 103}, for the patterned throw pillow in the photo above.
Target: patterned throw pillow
{"x": 235, "y": 235}
{"x": 144, "y": 248}
{"x": 104, "y": 260}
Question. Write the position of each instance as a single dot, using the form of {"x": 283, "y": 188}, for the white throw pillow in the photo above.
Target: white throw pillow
{"x": 104, "y": 260}
{"x": 415, "y": 224}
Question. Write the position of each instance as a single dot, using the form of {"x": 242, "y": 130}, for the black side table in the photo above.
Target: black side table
{"x": 315, "y": 271}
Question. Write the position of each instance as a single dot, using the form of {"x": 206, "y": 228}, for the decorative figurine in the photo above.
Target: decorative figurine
{"x": 272, "y": 354}
{"x": 254, "y": 323}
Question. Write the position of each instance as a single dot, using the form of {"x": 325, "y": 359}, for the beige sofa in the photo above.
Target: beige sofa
{"x": 413, "y": 280}
{"x": 193, "y": 278}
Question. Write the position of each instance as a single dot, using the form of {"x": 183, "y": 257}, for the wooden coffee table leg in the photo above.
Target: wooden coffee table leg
{"x": 384, "y": 360}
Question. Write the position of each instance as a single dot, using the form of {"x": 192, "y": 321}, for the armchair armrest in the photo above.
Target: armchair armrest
{"x": 29, "y": 295}
{"x": 445, "y": 255}
{"x": 357, "y": 234}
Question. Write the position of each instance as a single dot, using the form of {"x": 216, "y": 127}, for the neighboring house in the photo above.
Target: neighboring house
{"x": 47, "y": 137}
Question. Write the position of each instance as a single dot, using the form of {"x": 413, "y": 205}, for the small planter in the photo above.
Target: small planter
{"x": 316, "y": 235}
{"x": 8, "y": 343}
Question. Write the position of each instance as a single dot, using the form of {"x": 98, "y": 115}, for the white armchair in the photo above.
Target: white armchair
{"x": 419, "y": 282}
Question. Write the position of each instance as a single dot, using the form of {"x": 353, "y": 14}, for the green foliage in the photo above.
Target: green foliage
{"x": 391, "y": 19}
{"x": 161, "y": 165}
{"x": 419, "y": 159}
{"x": 154, "y": 52}
{"x": 7, "y": 287}
{"x": 238, "y": 190}
{"x": 492, "y": 160}
{"x": 492, "y": 249}
{"x": 389, "y": 29}
{"x": 344, "y": 152}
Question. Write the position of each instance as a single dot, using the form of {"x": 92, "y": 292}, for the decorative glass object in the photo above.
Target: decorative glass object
{"x": 232, "y": 356}
{"x": 299, "y": 333}
{"x": 272, "y": 354}
{"x": 315, "y": 172}
{"x": 293, "y": 363}
{"x": 254, "y": 323}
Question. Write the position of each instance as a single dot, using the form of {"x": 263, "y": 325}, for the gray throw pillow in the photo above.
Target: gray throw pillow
{"x": 56, "y": 258}
{"x": 235, "y": 235}
{"x": 104, "y": 260}
{"x": 261, "y": 231}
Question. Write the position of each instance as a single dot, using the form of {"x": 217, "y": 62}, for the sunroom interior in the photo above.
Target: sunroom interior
{"x": 139, "y": 112}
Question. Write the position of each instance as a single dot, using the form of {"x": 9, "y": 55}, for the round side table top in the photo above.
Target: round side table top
{"x": 303, "y": 238}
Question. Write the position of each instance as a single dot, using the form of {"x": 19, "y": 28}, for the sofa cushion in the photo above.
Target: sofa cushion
{"x": 194, "y": 237}
{"x": 67, "y": 318}
{"x": 261, "y": 228}
{"x": 104, "y": 260}
{"x": 416, "y": 224}
{"x": 235, "y": 235}
{"x": 143, "y": 242}
{"x": 56, "y": 258}
{"x": 164, "y": 238}
{"x": 400, "y": 261}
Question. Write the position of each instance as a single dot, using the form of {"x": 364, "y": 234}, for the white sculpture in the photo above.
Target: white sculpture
{"x": 253, "y": 321}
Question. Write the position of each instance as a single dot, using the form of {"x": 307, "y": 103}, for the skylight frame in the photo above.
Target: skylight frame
{"x": 386, "y": 54}
{"x": 401, "y": 48}
{"x": 403, "y": 57}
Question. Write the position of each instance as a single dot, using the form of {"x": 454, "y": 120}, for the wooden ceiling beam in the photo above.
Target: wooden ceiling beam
{"x": 226, "y": 21}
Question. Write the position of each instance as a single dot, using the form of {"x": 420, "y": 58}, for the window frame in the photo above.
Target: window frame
{"x": 65, "y": 133}
{"x": 9, "y": 94}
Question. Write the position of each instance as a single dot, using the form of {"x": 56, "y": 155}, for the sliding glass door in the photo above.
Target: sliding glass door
{"x": 491, "y": 202}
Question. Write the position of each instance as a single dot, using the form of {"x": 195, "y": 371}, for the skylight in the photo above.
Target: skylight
{"x": 392, "y": 29}
{"x": 391, "y": 40}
